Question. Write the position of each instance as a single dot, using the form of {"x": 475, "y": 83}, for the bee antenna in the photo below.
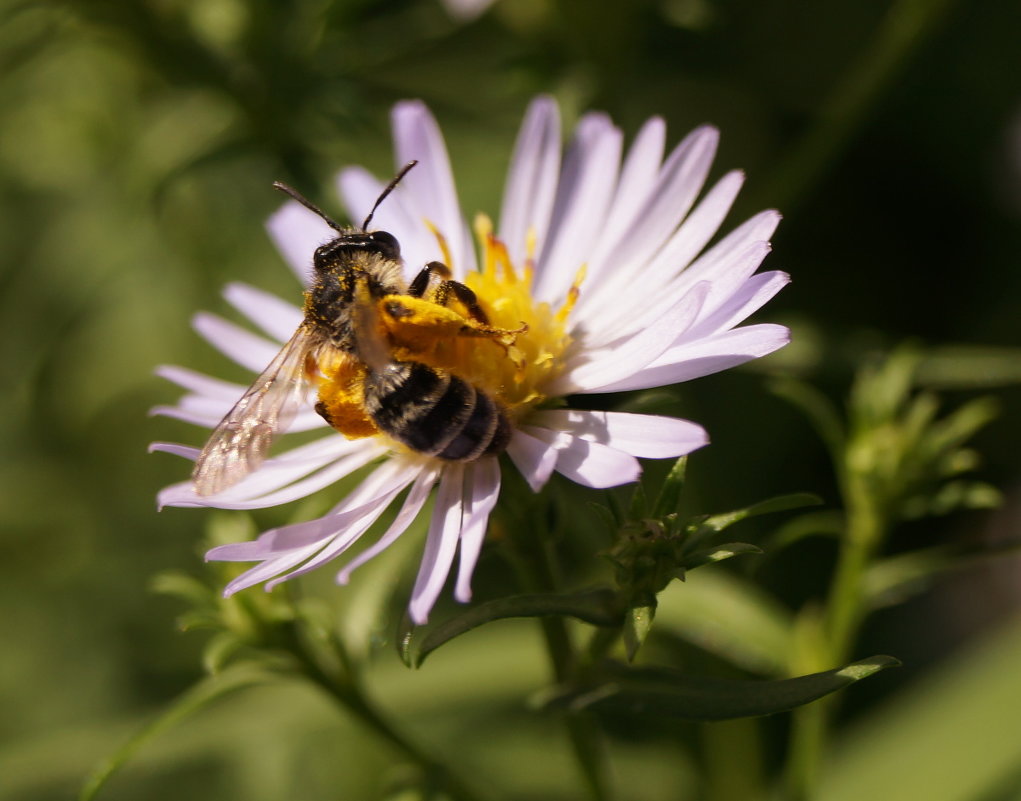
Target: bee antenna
{"x": 308, "y": 204}
{"x": 389, "y": 188}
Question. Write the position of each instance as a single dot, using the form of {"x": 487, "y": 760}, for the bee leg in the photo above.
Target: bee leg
{"x": 421, "y": 281}
{"x": 465, "y": 295}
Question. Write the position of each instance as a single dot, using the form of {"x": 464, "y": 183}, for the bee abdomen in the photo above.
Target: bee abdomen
{"x": 435, "y": 413}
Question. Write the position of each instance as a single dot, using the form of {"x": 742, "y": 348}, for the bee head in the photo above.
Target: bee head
{"x": 351, "y": 243}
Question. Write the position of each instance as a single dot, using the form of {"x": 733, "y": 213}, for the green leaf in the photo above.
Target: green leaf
{"x": 826, "y": 522}
{"x": 718, "y": 553}
{"x": 220, "y": 648}
{"x": 637, "y": 624}
{"x": 598, "y": 607}
{"x": 665, "y": 692}
{"x": 969, "y": 367}
{"x": 781, "y": 503}
{"x": 897, "y": 578}
{"x": 669, "y": 500}
{"x": 727, "y": 615}
{"x": 192, "y": 700}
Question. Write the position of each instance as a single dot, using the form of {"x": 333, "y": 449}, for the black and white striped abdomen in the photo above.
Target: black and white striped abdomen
{"x": 434, "y": 412}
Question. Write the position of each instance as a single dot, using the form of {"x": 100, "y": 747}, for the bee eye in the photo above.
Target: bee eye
{"x": 388, "y": 245}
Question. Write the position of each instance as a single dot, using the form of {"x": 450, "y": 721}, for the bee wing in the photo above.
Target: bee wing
{"x": 241, "y": 440}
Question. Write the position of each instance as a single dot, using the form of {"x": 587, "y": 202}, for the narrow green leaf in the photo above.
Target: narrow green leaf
{"x": 598, "y": 607}
{"x": 660, "y": 691}
{"x": 727, "y": 615}
{"x": 781, "y": 503}
{"x": 718, "y": 553}
{"x": 969, "y": 367}
{"x": 669, "y": 500}
{"x": 181, "y": 585}
{"x": 826, "y": 522}
{"x": 637, "y": 623}
{"x": 192, "y": 700}
{"x": 220, "y": 648}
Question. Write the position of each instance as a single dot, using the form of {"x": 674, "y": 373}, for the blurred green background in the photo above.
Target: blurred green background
{"x": 139, "y": 139}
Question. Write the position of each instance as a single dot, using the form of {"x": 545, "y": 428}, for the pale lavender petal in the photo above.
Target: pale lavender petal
{"x": 431, "y": 183}
{"x": 619, "y": 297}
{"x": 272, "y": 485}
{"x": 660, "y": 211}
{"x": 706, "y": 356}
{"x": 645, "y": 435}
{"x": 347, "y": 534}
{"x": 201, "y": 384}
{"x": 484, "y": 477}
{"x": 738, "y": 269}
{"x": 441, "y": 544}
{"x": 531, "y": 179}
{"x": 236, "y": 343}
{"x": 419, "y": 494}
{"x": 588, "y": 463}
{"x": 534, "y": 458}
{"x": 749, "y": 298}
{"x": 297, "y": 232}
{"x": 275, "y": 316}
{"x": 618, "y": 360}
{"x": 637, "y": 178}
{"x": 466, "y": 10}
{"x": 172, "y": 447}
{"x": 208, "y": 412}
{"x": 270, "y": 568}
{"x": 586, "y": 187}
{"x": 718, "y": 263}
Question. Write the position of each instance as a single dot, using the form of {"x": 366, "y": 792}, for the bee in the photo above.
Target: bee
{"x": 357, "y": 283}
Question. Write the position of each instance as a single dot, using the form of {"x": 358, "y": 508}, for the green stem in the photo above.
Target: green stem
{"x": 866, "y": 528}
{"x": 538, "y": 564}
{"x": 346, "y": 690}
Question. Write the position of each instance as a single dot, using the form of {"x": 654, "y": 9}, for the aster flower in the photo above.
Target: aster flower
{"x": 600, "y": 254}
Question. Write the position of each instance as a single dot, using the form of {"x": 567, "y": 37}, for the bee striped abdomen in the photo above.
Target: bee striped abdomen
{"x": 435, "y": 413}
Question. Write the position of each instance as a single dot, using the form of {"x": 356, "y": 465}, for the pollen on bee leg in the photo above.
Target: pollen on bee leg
{"x": 341, "y": 399}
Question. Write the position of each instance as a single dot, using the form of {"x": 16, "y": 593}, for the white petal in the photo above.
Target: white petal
{"x": 620, "y": 359}
{"x": 441, "y": 545}
{"x": 637, "y": 178}
{"x": 717, "y": 264}
{"x": 201, "y": 384}
{"x": 276, "y": 317}
{"x": 586, "y": 187}
{"x": 272, "y": 485}
{"x": 707, "y": 356}
{"x": 297, "y": 232}
{"x": 534, "y": 458}
{"x": 749, "y": 298}
{"x": 588, "y": 463}
{"x": 645, "y": 435}
{"x": 661, "y": 209}
{"x": 431, "y": 183}
{"x": 172, "y": 447}
{"x": 531, "y": 179}
{"x": 236, "y": 343}
{"x": 409, "y": 511}
{"x": 270, "y": 568}
{"x": 350, "y": 530}
{"x": 623, "y": 295}
{"x": 484, "y": 477}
